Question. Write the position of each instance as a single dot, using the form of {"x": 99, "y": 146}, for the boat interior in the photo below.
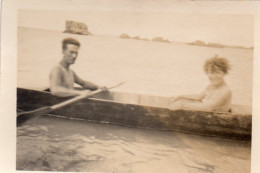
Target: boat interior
{"x": 154, "y": 101}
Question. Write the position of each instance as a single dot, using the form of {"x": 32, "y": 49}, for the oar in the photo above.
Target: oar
{"x": 22, "y": 117}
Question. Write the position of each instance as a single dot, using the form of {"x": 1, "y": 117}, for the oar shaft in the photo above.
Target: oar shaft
{"x": 25, "y": 116}
{"x": 57, "y": 106}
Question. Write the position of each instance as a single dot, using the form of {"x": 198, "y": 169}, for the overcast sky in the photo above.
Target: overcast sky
{"x": 230, "y": 29}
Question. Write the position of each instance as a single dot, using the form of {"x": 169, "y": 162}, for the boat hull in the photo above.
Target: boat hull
{"x": 104, "y": 109}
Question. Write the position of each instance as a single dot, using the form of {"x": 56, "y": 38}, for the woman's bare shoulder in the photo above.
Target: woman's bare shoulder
{"x": 226, "y": 89}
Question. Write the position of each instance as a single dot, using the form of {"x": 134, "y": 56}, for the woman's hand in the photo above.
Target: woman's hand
{"x": 176, "y": 105}
{"x": 174, "y": 99}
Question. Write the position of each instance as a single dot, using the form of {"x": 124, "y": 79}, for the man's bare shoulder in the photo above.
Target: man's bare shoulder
{"x": 57, "y": 69}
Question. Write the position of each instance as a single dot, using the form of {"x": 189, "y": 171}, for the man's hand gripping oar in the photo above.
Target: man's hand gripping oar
{"x": 22, "y": 117}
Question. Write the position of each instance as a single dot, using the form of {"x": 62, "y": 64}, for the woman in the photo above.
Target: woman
{"x": 216, "y": 96}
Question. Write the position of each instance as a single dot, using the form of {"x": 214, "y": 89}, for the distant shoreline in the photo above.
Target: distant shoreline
{"x": 202, "y": 43}
{"x": 195, "y": 43}
{"x": 161, "y": 39}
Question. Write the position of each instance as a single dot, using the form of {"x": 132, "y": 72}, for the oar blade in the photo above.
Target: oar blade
{"x": 29, "y": 115}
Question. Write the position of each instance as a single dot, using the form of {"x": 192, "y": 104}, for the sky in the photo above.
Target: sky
{"x": 229, "y": 29}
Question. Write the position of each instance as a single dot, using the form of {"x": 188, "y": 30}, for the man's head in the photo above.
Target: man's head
{"x": 70, "y": 47}
{"x": 216, "y": 68}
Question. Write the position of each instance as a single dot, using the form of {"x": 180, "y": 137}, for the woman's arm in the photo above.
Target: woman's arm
{"x": 193, "y": 97}
{"x": 210, "y": 105}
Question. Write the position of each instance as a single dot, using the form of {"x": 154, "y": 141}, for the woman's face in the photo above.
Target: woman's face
{"x": 216, "y": 76}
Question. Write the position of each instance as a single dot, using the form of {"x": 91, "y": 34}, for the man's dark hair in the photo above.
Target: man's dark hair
{"x": 67, "y": 41}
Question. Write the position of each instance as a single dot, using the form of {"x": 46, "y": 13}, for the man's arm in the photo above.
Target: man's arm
{"x": 56, "y": 85}
{"x": 85, "y": 84}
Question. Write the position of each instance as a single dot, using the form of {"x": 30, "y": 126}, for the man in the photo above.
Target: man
{"x": 62, "y": 77}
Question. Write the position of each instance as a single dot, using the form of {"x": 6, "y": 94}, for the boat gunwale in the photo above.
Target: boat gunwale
{"x": 143, "y": 105}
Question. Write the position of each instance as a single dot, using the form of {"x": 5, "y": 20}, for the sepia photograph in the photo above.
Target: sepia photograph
{"x": 185, "y": 99}
{"x": 136, "y": 90}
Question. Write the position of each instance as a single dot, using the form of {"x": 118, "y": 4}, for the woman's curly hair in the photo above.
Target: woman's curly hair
{"x": 217, "y": 63}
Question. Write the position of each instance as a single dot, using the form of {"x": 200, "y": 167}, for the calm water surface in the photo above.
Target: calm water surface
{"x": 148, "y": 67}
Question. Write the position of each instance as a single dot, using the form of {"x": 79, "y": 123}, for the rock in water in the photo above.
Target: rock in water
{"x": 74, "y": 27}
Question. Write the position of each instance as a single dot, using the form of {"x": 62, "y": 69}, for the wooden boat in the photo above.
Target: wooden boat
{"x": 143, "y": 111}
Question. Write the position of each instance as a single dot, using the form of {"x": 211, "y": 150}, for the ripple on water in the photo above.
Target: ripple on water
{"x": 52, "y": 144}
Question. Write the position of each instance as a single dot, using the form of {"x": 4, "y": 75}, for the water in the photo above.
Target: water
{"x": 54, "y": 144}
{"x": 148, "y": 67}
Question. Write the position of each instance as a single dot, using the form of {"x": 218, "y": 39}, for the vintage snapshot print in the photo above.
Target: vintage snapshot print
{"x": 186, "y": 101}
{"x": 131, "y": 87}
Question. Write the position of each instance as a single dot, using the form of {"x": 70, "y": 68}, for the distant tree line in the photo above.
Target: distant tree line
{"x": 202, "y": 43}
{"x": 197, "y": 43}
